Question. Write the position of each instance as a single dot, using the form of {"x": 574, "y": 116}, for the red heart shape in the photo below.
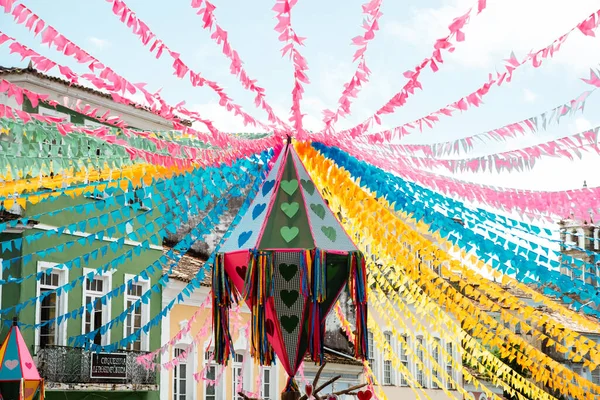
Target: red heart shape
{"x": 28, "y": 365}
{"x": 364, "y": 395}
{"x": 270, "y": 327}
{"x": 241, "y": 271}
{"x": 309, "y": 390}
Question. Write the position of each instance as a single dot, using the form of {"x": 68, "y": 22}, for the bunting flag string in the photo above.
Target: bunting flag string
{"x": 195, "y": 282}
{"x": 181, "y": 207}
{"x": 439, "y": 289}
{"x": 586, "y": 27}
{"x": 102, "y": 133}
{"x": 146, "y": 359}
{"x": 195, "y": 235}
{"x": 50, "y": 35}
{"x": 512, "y": 130}
{"x": 19, "y": 94}
{"x": 400, "y": 98}
{"x": 391, "y": 355}
{"x": 443, "y": 325}
{"x": 287, "y": 35}
{"x": 236, "y": 67}
{"x": 502, "y": 259}
{"x": 361, "y": 75}
{"x": 174, "y": 146}
{"x": 370, "y": 377}
{"x": 178, "y": 207}
{"x": 394, "y": 282}
{"x": 435, "y": 372}
{"x": 537, "y": 205}
{"x": 146, "y": 36}
{"x": 521, "y": 159}
{"x": 117, "y": 83}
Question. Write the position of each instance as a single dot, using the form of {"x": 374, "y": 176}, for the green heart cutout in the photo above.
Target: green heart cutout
{"x": 290, "y": 322}
{"x": 319, "y": 210}
{"x": 290, "y": 209}
{"x": 288, "y": 271}
{"x": 289, "y": 186}
{"x": 329, "y": 232}
{"x": 289, "y": 233}
{"x": 289, "y": 297}
{"x": 309, "y": 186}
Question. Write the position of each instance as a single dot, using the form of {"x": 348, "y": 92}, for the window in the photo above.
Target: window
{"x": 371, "y": 349}
{"x": 138, "y": 199}
{"x": 578, "y": 371}
{"x": 137, "y": 316}
{"x": 210, "y": 391}
{"x": 420, "y": 373}
{"x": 238, "y": 375}
{"x": 596, "y": 376}
{"x": 267, "y": 384}
{"x": 436, "y": 358}
{"x": 387, "y": 363}
{"x": 404, "y": 359}
{"x": 51, "y": 305}
{"x": 97, "y": 309}
{"x": 180, "y": 374}
{"x": 449, "y": 369}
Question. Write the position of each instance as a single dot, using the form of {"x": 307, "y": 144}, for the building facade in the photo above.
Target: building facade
{"x": 58, "y": 257}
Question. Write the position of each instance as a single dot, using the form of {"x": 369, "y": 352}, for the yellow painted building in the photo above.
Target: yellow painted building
{"x": 179, "y": 383}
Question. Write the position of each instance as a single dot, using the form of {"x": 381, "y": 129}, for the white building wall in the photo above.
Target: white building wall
{"x": 140, "y": 119}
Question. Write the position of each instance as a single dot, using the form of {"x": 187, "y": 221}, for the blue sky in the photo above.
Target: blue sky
{"x": 408, "y": 30}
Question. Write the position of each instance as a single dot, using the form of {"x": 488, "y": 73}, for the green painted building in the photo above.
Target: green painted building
{"x": 59, "y": 245}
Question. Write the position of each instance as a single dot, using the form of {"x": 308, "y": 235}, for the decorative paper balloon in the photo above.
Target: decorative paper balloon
{"x": 289, "y": 259}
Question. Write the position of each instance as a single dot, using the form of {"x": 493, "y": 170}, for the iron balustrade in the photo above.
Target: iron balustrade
{"x": 72, "y": 365}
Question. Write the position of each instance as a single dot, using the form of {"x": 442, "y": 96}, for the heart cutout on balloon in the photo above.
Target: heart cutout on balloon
{"x": 270, "y": 327}
{"x": 241, "y": 271}
{"x": 289, "y": 322}
{"x": 290, "y": 186}
{"x": 364, "y": 395}
{"x": 290, "y": 209}
{"x": 11, "y": 364}
{"x": 309, "y": 186}
{"x": 289, "y": 297}
{"x": 329, "y": 232}
{"x": 288, "y": 271}
{"x": 257, "y": 210}
{"x": 243, "y": 238}
{"x": 289, "y": 233}
{"x": 318, "y": 209}
{"x": 267, "y": 187}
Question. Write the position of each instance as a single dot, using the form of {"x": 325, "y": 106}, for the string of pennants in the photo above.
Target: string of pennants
{"x": 436, "y": 281}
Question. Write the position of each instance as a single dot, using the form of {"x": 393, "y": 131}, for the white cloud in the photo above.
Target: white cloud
{"x": 98, "y": 43}
{"x": 581, "y": 124}
{"x": 529, "y": 96}
{"x": 224, "y": 120}
{"x": 505, "y": 26}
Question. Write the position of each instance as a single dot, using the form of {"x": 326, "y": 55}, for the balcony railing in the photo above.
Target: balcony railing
{"x": 72, "y": 365}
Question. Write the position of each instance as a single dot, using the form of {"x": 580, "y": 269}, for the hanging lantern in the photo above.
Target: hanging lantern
{"x": 288, "y": 259}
